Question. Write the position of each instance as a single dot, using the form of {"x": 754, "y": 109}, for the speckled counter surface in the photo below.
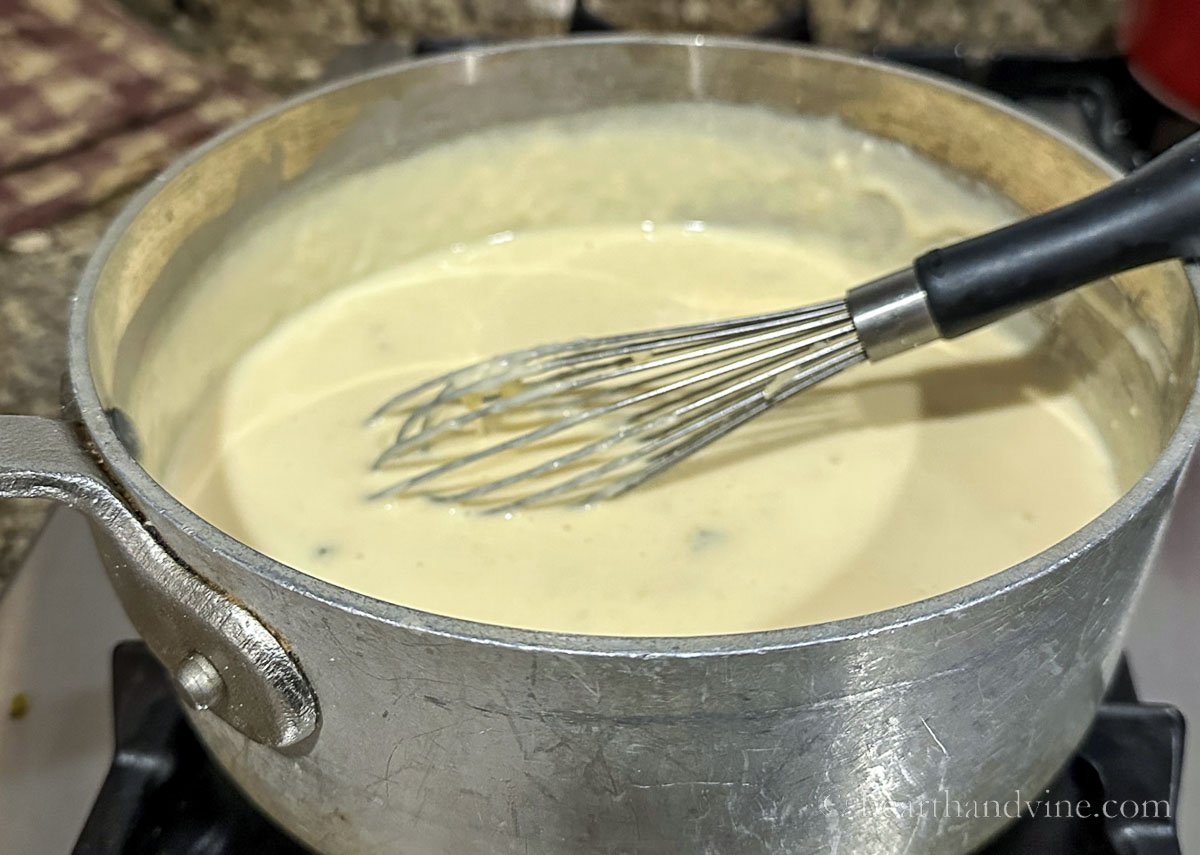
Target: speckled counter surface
{"x": 38, "y": 271}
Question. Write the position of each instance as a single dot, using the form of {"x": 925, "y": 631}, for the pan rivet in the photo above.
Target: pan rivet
{"x": 199, "y": 681}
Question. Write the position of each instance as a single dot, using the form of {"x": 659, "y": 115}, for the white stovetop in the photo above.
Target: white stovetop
{"x": 59, "y": 622}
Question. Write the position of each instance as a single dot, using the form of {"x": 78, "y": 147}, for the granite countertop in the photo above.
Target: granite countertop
{"x": 285, "y": 44}
{"x": 38, "y": 271}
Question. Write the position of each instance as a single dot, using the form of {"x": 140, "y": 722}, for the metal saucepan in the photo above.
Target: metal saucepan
{"x": 366, "y": 727}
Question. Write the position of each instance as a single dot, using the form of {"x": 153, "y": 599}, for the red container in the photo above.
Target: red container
{"x": 1161, "y": 39}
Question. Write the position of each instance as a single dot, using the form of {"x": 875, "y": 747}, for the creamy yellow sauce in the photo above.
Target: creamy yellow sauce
{"x": 891, "y": 483}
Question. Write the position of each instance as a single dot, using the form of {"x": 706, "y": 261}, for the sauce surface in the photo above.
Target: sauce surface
{"x": 891, "y": 483}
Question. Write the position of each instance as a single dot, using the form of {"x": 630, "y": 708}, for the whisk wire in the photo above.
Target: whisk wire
{"x": 556, "y": 384}
{"x": 597, "y": 412}
{"x": 668, "y": 392}
{"x": 661, "y": 452}
{"x": 626, "y": 343}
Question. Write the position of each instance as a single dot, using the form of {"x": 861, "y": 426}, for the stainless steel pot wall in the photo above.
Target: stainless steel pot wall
{"x": 365, "y": 727}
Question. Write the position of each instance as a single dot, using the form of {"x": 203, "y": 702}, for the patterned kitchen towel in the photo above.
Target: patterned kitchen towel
{"x": 91, "y": 102}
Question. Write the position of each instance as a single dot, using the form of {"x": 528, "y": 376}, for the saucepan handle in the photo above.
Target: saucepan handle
{"x": 41, "y": 459}
{"x": 223, "y": 658}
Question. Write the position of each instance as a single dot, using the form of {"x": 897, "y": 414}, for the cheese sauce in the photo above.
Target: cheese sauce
{"x": 891, "y": 483}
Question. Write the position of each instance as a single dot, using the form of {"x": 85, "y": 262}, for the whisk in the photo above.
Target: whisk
{"x": 610, "y": 413}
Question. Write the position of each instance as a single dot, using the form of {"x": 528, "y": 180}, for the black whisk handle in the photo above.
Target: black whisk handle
{"x": 1150, "y": 215}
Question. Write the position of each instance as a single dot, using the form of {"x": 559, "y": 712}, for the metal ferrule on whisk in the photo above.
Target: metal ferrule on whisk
{"x": 891, "y": 314}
